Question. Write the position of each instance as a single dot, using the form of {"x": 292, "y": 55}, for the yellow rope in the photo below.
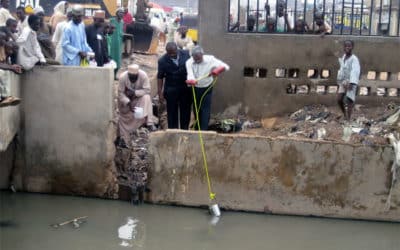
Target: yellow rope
{"x": 204, "y": 94}
{"x": 211, "y": 194}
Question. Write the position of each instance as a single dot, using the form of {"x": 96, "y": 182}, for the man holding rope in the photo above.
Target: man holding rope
{"x": 202, "y": 71}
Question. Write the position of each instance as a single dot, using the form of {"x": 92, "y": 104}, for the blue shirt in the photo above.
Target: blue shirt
{"x": 73, "y": 42}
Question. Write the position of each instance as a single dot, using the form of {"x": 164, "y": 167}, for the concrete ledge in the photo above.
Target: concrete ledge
{"x": 10, "y": 116}
{"x": 280, "y": 176}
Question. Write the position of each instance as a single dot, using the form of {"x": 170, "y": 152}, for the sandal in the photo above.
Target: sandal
{"x": 10, "y": 101}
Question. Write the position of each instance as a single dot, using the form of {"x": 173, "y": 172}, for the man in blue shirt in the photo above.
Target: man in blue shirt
{"x": 172, "y": 86}
{"x": 74, "y": 44}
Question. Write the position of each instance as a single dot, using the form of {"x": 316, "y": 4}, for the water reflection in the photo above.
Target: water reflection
{"x": 132, "y": 233}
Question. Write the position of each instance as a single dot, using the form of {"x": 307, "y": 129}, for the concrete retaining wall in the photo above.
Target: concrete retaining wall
{"x": 278, "y": 176}
{"x": 68, "y": 132}
{"x": 9, "y": 127}
{"x": 10, "y": 116}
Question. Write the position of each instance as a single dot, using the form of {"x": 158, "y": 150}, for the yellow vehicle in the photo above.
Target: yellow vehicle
{"x": 191, "y": 21}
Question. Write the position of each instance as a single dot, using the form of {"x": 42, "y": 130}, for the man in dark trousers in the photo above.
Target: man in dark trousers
{"x": 171, "y": 86}
{"x": 96, "y": 39}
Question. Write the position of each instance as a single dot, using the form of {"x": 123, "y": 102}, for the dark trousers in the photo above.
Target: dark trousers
{"x": 179, "y": 102}
{"x": 205, "y": 108}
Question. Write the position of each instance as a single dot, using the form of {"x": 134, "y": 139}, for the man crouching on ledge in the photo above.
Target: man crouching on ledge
{"x": 134, "y": 102}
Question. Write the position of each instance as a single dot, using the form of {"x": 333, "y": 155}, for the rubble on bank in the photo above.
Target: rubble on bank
{"x": 133, "y": 161}
{"x": 369, "y": 125}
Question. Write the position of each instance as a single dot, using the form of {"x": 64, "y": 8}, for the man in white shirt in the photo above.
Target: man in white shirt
{"x": 348, "y": 79}
{"x": 4, "y": 12}
{"x": 22, "y": 20}
{"x": 201, "y": 73}
{"x": 29, "y": 52}
{"x": 58, "y": 35}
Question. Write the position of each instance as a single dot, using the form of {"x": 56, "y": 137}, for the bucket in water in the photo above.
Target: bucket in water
{"x": 214, "y": 210}
{"x": 139, "y": 113}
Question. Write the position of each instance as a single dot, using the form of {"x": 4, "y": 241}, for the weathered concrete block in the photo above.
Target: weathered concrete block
{"x": 10, "y": 116}
{"x": 6, "y": 163}
{"x": 68, "y": 132}
{"x": 263, "y": 96}
{"x": 282, "y": 176}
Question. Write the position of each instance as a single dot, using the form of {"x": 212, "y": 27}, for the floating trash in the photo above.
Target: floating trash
{"x": 76, "y": 222}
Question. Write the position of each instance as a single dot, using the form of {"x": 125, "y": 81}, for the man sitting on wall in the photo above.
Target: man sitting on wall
{"x": 11, "y": 29}
{"x": 134, "y": 102}
{"x": 7, "y": 49}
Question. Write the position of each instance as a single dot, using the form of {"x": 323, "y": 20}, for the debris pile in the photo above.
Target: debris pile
{"x": 133, "y": 161}
{"x": 369, "y": 126}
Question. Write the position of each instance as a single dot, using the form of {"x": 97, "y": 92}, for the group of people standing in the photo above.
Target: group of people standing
{"x": 27, "y": 40}
{"x": 177, "y": 72}
{"x": 184, "y": 79}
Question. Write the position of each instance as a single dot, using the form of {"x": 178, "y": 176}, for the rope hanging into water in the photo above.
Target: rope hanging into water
{"x": 203, "y": 151}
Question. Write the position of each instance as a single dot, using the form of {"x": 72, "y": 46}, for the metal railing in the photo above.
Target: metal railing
{"x": 339, "y": 17}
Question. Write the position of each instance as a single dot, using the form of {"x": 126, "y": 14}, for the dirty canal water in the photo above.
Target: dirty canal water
{"x": 26, "y": 221}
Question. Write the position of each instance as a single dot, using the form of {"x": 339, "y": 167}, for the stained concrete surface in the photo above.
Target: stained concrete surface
{"x": 261, "y": 97}
{"x": 280, "y": 176}
{"x": 6, "y": 164}
{"x": 10, "y": 115}
{"x": 68, "y": 132}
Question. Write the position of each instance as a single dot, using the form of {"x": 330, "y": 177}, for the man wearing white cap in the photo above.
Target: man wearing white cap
{"x": 134, "y": 102}
{"x": 96, "y": 40}
{"x": 74, "y": 44}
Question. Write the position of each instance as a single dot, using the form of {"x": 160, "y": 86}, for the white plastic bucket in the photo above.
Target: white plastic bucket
{"x": 214, "y": 210}
{"x": 139, "y": 113}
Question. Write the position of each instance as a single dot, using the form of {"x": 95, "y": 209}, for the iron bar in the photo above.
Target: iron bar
{"x": 352, "y": 17}
{"x": 342, "y": 19}
{"x": 361, "y": 16}
{"x": 333, "y": 17}
{"x": 380, "y": 16}
{"x": 398, "y": 19}
{"x": 305, "y": 9}
{"x": 390, "y": 16}
{"x": 238, "y": 13}
{"x": 285, "y": 27}
{"x": 257, "y": 15}
{"x": 371, "y": 14}
{"x": 313, "y": 18}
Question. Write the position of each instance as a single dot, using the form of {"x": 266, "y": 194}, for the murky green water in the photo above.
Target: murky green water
{"x": 26, "y": 220}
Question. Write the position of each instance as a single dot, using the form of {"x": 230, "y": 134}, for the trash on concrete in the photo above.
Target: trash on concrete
{"x": 321, "y": 133}
{"x": 367, "y": 127}
{"x": 269, "y": 122}
{"x": 251, "y": 124}
{"x": 391, "y": 120}
{"x": 395, "y": 142}
{"x": 347, "y": 131}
